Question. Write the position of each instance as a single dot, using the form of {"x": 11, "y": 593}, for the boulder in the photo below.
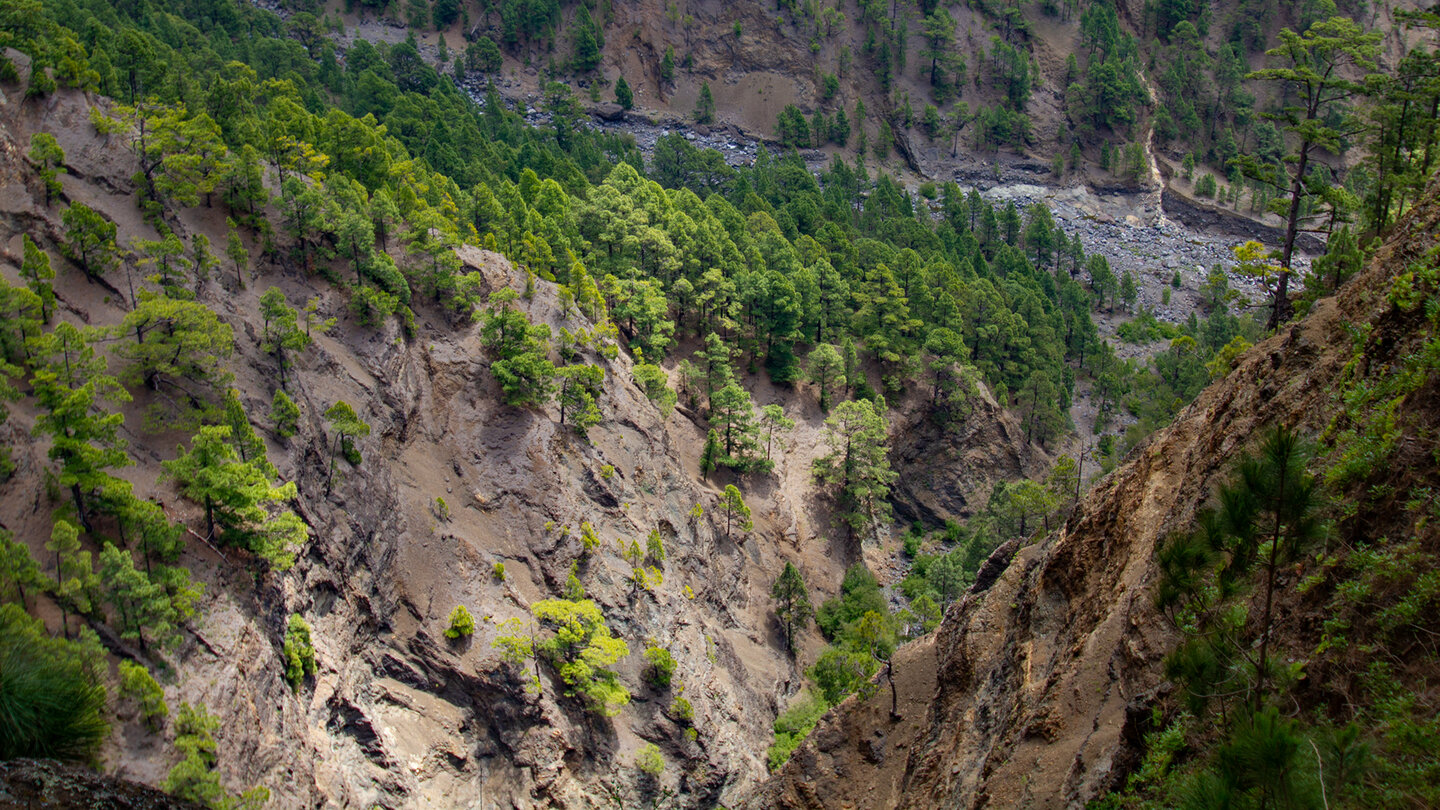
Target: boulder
{"x": 608, "y": 111}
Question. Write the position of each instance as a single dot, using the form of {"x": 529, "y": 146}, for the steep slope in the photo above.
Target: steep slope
{"x": 397, "y": 715}
{"x": 1036, "y": 689}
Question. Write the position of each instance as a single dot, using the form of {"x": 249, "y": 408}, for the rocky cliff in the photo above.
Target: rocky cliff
{"x": 1036, "y": 690}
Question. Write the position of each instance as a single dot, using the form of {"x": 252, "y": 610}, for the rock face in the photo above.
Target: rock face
{"x": 45, "y": 783}
{"x": 949, "y": 473}
{"x": 1034, "y": 691}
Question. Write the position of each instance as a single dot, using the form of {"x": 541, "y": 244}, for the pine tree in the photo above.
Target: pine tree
{"x": 280, "y": 335}
{"x": 347, "y": 426}
{"x": 140, "y": 605}
{"x": 18, "y": 570}
{"x": 461, "y": 623}
{"x": 194, "y": 778}
{"x": 856, "y": 433}
{"x": 653, "y": 381}
{"x": 733, "y": 415}
{"x": 623, "y": 95}
{"x": 1319, "y": 67}
{"x": 238, "y": 498}
{"x": 792, "y": 604}
{"x": 580, "y": 387}
{"x": 581, "y": 649}
{"x": 138, "y": 684}
{"x": 249, "y": 446}
{"x": 49, "y": 161}
{"x": 84, "y": 438}
{"x": 655, "y": 547}
{"x": 284, "y": 414}
{"x": 705, "y": 105}
{"x": 773, "y": 420}
{"x": 90, "y": 239}
{"x": 35, "y": 269}
{"x": 299, "y": 651}
{"x": 710, "y": 456}
{"x": 236, "y": 252}
{"x": 73, "y": 573}
{"x": 735, "y": 509}
{"x": 825, "y": 368}
{"x": 176, "y": 342}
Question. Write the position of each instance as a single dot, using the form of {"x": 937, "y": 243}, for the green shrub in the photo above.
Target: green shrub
{"x": 793, "y": 726}
{"x": 52, "y": 701}
{"x": 462, "y": 624}
{"x": 498, "y": 571}
{"x": 681, "y": 711}
{"x": 649, "y": 760}
{"x": 662, "y": 666}
{"x": 284, "y": 414}
{"x": 299, "y": 652}
{"x": 137, "y": 683}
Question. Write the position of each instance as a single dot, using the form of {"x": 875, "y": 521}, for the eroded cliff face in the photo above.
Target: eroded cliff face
{"x": 397, "y": 715}
{"x": 1036, "y": 688}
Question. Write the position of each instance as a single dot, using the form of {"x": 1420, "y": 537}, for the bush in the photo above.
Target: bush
{"x": 793, "y": 726}
{"x": 371, "y": 306}
{"x": 299, "y": 652}
{"x": 1205, "y": 186}
{"x": 662, "y": 666}
{"x": 462, "y": 624}
{"x": 681, "y": 711}
{"x": 52, "y": 701}
{"x": 284, "y": 414}
{"x": 859, "y": 594}
{"x": 649, "y": 760}
{"x": 137, "y": 683}
{"x": 498, "y": 570}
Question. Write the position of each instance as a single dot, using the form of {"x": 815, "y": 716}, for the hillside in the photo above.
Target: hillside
{"x": 1039, "y": 687}
{"x": 396, "y": 714}
{"x": 388, "y": 419}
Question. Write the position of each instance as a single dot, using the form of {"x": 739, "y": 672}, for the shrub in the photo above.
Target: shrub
{"x": 649, "y": 760}
{"x": 137, "y": 683}
{"x": 588, "y": 538}
{"x": 51, "y": 696}
{"x": 793, "y": 726}
{"x": 681, "y": 711}
{"x": 662, "y": 666}
{"x": 498, "y": 570}
{"x": 284, "y": 414}
{"x": 462, "y": 624}
{"x": 299, "y": 651}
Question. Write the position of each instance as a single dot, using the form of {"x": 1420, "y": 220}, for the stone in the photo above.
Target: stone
{"x": 608, "y": 111}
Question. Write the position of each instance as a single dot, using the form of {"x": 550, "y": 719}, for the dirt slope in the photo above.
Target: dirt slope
{"x": 1044, "y": 676}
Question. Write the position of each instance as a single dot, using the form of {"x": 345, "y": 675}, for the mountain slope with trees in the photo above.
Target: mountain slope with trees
{"x": 1161, "y": 650}
{"x": 367, "y": 442}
